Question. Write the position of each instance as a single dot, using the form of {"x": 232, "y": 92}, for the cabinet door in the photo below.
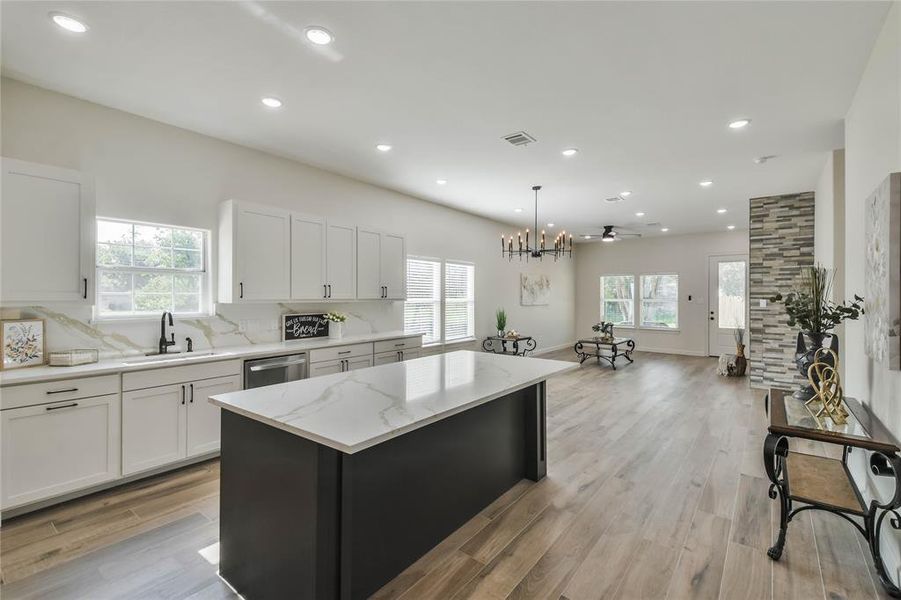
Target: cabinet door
{"x": 385, "y": 358}
{"x": 327, "y": 367}
{"x": 52, "y": 449}
{"x": 341, "y": 264}
{"x": 41, "y": 204}
{"x": 153, "y": 427}
{"x": 369, "y": 278}
{"x": 262, "y": 253}
{"x": 203, "y": 433}
{"x": 408, "y": 354}
{"x": 360, "y": 362}
{"x": 393, "y": 266}
{"x": 308, "y": 266}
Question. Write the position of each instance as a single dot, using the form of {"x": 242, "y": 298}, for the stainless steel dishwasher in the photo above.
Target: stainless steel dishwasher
{"x": 276, "y": 369}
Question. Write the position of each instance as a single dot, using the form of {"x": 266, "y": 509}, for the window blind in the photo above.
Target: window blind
{"x": 459, "y": 301}
{"x": 422, "y": 310}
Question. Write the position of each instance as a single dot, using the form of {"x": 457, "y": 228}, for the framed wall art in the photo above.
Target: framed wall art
{"x": 23, "y": 343}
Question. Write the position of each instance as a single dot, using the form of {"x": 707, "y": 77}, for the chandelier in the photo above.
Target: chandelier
{"x": 558, "y": 249}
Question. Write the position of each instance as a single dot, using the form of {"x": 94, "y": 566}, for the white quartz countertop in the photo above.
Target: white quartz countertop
{"x": 356, "y": 410}
{"x": 126, "y": 364}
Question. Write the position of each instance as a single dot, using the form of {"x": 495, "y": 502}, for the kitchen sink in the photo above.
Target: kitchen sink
{"x": 173, "y": 357}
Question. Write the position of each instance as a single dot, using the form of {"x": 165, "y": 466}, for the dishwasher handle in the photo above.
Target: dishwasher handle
{"x": 277, "y": 365}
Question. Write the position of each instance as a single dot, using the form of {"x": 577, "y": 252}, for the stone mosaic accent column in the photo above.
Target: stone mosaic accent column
{"x": 781, "y": 243}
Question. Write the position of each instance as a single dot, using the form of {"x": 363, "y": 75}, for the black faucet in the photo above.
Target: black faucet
{"x": 164, "y": 343}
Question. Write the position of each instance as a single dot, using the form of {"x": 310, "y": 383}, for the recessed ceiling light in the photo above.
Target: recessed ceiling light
{"x": 639, "y": 214}
{"x": 626, "y": 194}
{"x": 319, "y": 35}
{"x": 550, "y": 225}
{"x": 730, "y": 227}
{"x": 570, "y": 151}
{"x": 271, "y": 101}
{"x": 383, "y": 147}
{"x": 739, "y": 123}
{"x": 586, "y": 237}
{"x": 517, "y": 210}
{"x": 705, "y": 183}
{"x": 68, "y": 23}
{"x": 664, "y": 229}
{"x": 441, "y": 181}
{"x": 608, "y": 239}
{"x": 721, "y": 210}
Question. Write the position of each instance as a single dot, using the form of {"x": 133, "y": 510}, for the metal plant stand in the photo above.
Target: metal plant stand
{"x": 498, "y": 345}
{"x": 820, "y": 483}
{"x": 608, "y": 350}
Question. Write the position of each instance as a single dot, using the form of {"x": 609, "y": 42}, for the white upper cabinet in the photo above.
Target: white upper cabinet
{"x": 381, "y": 265}
{"x": 254, "y": 253}
{"x": 341, "y": 267}
{"x": 47, "y": 233}
{"x": 308, "y": 258}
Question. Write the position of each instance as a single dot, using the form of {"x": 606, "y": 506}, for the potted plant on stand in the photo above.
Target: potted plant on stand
{"x": 810, "y": 308}
{"x": 335, "y": 324}
{"x": 501, "y": 321}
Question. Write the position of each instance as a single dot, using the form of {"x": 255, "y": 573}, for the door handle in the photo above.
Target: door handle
{"x": 241, "y": 287}
{"x": 70, "y": 405}
{"x": 85, "y": 296}
{"x": 192, "y": 393}
{"x": 182, "y": 394}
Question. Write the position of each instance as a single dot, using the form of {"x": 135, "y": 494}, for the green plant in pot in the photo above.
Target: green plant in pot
{"x": 808, "y": 307}
{"x": 500, "y": 316}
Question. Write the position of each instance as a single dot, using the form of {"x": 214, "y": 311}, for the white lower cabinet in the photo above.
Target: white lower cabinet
{"x": 164, "y": 424}
{"x": 393, "y": 356}
{"x": 359, "y": 362}
{"x": 55, "y": 448}
{"x": 341, "y": 365}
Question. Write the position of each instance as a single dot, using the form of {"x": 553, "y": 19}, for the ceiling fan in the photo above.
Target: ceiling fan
{"x": 611, "y": 233}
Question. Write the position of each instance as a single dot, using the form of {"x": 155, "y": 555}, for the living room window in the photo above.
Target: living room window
{"x": 422, "y": 310}
{"x": 618, "y": 300}
{"x": 459, "y": 301}
{"x": 660, "y": 301}
{"x": 144, "y": 269}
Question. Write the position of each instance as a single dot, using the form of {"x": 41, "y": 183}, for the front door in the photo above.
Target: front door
{"x": 728, "y": 302}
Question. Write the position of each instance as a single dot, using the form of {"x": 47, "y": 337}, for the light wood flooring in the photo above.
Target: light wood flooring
{"x": 655, "y": 489}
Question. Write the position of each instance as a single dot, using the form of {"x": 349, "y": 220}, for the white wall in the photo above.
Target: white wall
{"x": 872, "y": 151}
{"x": 686, "y": 255}
{"x": 149, "y": 171}
{"x": 829, "y": 227}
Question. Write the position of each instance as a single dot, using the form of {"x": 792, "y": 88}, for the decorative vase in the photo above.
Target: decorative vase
{"x": 500, "y": 333}
{"x": 741, "y": 363}
{"x": 807, "y": 344}
{"x": 335, "y": 330}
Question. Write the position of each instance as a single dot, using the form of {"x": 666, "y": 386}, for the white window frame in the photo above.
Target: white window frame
{"x": 601, "y": 298}
{"x": 639, "y": 299}
{"x": 443, "y": 341}
{"x": 205, "y": 273}
{"x": 472, "y": 337}
{"x": 440, "y": 301}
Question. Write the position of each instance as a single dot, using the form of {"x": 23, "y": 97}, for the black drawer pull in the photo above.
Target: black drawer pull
{"x": 345, "y": 352}
{"x": 62, "y": 406}
{"x": 62, "y": 391}
{"x": 399, "y": 345}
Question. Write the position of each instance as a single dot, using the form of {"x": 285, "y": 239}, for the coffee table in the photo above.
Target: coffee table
{"x": 607, "y": 349}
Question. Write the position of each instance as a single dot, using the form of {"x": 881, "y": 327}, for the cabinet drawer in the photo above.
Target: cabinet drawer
{"x": 17, "y": 396}
{"x": 340, "y": 352}
{"x": 138, "y": 380}
{"x": 398, "y": 344}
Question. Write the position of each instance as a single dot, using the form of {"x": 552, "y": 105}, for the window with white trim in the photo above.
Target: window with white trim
{"x": 618, "y": 300}
{"x": 144, "y": 269}
{"x": 660, "y": 301}
{"x": 459, "y": 301}
{"x": 422, "y": 309}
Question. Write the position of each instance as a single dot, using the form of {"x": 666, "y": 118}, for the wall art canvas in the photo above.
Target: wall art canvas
{"x": 882, "y": 295}
{"x": 535, "y": 290}
{"x": 23, "y": 343}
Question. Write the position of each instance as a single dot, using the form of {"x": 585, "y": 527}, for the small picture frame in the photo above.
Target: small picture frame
{"x": 23, "y": 343}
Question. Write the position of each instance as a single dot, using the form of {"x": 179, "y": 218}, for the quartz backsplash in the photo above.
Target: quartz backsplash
{"x": 72, "y": 326}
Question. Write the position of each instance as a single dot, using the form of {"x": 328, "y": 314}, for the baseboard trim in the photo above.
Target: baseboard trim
{"x": 640, "y": 348}
{"x": 553, "y": 348}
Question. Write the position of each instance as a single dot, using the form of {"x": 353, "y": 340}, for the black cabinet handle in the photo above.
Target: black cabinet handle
{"x": 182, "y": 394}
{"x": 192, "y": 393}
{"x": 386, "y": 292}
{"x": 85, "y": 296}
{"x": 62, "y": 406}
{"x": 324, "y": 291}
{"x": 62, "y": 391}
{"x": 241, "y": 287}
{"x": 345, "y": 352}
{"x": 329, "y": 290}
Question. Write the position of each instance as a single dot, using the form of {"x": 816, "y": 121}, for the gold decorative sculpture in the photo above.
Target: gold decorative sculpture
{"x": 825, "y": 381}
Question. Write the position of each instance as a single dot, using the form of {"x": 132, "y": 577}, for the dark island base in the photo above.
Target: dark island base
{"x": 301, "y": 520}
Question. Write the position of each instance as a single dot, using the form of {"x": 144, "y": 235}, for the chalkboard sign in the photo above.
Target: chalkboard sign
{"x": 298, "y": 327}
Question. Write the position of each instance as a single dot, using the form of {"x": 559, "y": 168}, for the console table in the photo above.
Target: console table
{"x": 528, "y": 344}
{"x": 609, "y": 350}
{"x": 820, "y": 483}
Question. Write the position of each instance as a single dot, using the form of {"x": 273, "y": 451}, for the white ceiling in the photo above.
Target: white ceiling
{"x": 644, "y": 89}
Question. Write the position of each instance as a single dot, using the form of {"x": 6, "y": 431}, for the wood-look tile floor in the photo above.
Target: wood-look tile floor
{"x": 655, "y": 489}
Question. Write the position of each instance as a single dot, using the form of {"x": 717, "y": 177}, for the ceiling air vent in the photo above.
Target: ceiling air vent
{"x": 520, "y": 138}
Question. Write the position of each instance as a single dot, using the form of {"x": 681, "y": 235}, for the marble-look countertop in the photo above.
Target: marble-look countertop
{"x": 125, "y": 364}
{"x": 356, "y": 410}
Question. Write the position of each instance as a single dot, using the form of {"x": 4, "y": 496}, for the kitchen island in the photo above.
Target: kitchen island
{"x": 332, "y": 486}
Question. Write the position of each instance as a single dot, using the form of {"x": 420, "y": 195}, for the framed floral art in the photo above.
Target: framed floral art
{"x": 23, "y": 343}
